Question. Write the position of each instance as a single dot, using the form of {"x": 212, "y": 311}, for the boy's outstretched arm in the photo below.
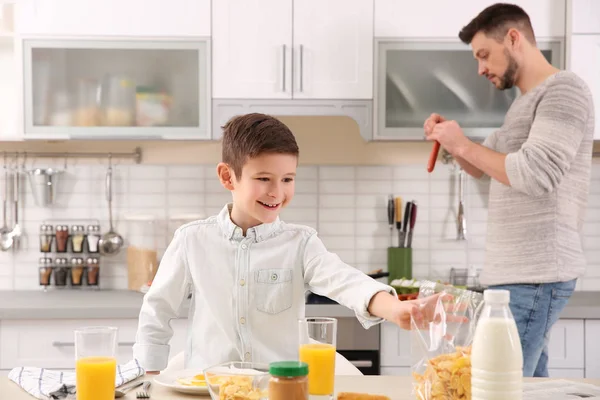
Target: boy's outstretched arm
{"x": 168, "y": 290}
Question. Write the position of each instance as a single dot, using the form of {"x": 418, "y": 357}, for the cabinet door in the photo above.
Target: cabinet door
{"x": 566, "y": 346}
{"x": 585, "y": 16}
{"x": 109, "y": 89}
{"x": 114, "y": 17}
{"x": 252, "y": 49}
{"x": 585, "y": 61}
{"x": 592, "y": 349}
{"x": 9, "y": 93}
{"x": 395, "y": 346}
{"x": 395, "y": 371}
{"x": 439, "y": 18}
{"x": 333, "y": 49}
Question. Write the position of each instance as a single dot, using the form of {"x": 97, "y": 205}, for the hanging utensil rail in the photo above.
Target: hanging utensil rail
{"x": 136, "y": 155}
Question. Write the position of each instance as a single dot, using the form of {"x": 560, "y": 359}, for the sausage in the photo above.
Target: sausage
{"x": 433, "y": 156}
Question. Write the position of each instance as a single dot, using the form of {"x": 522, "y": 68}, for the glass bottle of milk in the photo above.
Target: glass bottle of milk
{"x": 496, "y": 355}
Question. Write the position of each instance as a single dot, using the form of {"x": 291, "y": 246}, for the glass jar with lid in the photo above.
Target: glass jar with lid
{"x": 62, "y": 238}
{"x": 45, "y": 270}
{"x": 77, "y": 238}
{"x": 93, "y": 271}
{"x": 61, "y": 271}
{"x": 77, "y": 269}
{"x": 46, "y": 238}
{"x": 289, "y": 380}
{"x": 93, "y": 238}
{"x": 142, "y": 252}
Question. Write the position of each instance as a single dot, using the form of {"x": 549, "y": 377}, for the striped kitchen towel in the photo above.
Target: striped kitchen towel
{"x": 47, "y": 384}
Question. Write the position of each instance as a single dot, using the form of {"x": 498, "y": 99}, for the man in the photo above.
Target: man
{"x": 539, "y": 163}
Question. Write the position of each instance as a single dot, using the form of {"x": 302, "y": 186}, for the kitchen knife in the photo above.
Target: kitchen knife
{"x": 433, "y": 156}
{"x": 413, "y": 220}
{"x": 390, "y": 210}
{"x": 398, "y": 212}
{"x": 405, "y": 224}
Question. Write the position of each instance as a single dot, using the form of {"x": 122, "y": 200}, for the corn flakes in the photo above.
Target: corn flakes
{"x": 447, "y": 377}
{"x": 237, "y": 388}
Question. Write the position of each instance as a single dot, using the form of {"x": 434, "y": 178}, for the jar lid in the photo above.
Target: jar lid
{"x": 78, "y": 228}
{"x": 45, "y": 260}
{"x": 76, "y": 260}
{"x": 288, "y": 368}
{"x": 92, "y": 260}
{"x": 93, "y": 228}
{"x": 61, "y": 261}
{"x": 46, "y": 228}
{"x": 62, "y": 228}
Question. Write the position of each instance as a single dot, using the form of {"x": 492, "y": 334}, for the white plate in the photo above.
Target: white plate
{"x": 169, "y": 379}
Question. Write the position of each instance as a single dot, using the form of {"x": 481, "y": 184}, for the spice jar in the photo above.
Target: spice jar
{"x": 60, "y": 272}
{"x": 77, "y": 268}
{"x": 289, "y": 380}
{"x": 93, "y": 271}
{"x": 62, "y": 238}
{"x": 46, "y": 237}
{"x": 77, "y": 238}
{"x": 45, "y": 267}
{"x": 93, "y": 237}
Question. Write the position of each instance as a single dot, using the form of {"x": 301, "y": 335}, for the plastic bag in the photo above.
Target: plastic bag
{"x": 441, "y": 350}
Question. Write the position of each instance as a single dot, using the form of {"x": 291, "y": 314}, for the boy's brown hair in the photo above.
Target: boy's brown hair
{"x": 496, "y": 20}
{"x": 250, "y": 135}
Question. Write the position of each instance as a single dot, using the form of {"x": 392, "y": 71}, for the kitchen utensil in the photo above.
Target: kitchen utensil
{"x": 6, "y": 238}
{"x": 398, "y": 213}
{"x": 124, "y": 389}
{"x": 413, "y": 220}
{"x": 433, "y": 156}
{"x": 16, "y": 231}
{"x": 461, "y": 223}
{"x": 145, "y": 392}
{"x": 405, "y": 224}
{"x": 43, "y": 185}
{"x": 111, "y": 242}
{"x": 390, "y": 210}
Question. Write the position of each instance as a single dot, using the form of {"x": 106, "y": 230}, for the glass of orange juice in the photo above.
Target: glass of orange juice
{"x": 317, "y": 349}
{"x": 96, "y": 363}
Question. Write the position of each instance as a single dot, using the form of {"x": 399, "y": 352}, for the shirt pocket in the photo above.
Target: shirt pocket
{"x": 273, "y": 292}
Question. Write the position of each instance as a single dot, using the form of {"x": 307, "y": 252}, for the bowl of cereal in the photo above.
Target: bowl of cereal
{"x": 238, "y": 380}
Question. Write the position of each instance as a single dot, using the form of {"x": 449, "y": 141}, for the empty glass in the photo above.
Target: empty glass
{"x": 96, "y": 364}
{"x": 317, "y": 349}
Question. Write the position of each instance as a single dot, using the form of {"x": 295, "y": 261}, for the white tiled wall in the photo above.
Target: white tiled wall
{"x": 346, "y": 204}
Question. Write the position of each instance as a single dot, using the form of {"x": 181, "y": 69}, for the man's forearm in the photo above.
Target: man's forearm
{"x": 486, "y": 160}
{"x": 469, "y": 168}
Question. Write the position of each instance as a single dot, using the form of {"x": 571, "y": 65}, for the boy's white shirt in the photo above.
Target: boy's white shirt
{"x": 248, "y": 292}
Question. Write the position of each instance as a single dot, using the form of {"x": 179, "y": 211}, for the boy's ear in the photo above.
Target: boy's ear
{"x": 225, "y": 175}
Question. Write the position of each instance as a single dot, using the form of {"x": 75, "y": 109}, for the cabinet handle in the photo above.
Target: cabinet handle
{"x": 283, "y": 68}
{"x": 362, "y": 363}
{"x": 301, "y": 68}
{"x": 72, "y": 344}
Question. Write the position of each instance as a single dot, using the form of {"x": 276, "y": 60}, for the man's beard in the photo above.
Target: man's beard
{"x": 508, "y": 79}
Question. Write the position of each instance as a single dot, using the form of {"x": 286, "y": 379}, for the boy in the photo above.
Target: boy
{"x": 248, "y": 271}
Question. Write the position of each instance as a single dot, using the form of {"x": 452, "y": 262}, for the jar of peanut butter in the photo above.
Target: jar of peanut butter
{"x": 289, "y": 380}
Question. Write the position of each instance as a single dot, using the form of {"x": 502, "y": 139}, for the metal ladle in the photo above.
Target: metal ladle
{"x": 6, "y": 237}
{"x": 111, "y": 242}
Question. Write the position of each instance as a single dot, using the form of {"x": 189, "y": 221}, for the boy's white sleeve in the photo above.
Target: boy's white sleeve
{"x": 168, "y": 290}
{"x": 327, "y": 275}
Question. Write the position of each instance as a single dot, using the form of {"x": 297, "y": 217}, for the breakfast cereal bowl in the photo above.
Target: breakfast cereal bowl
{"x": 238, "y": 380}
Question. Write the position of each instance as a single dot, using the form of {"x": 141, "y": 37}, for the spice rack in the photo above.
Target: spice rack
{"x": 70, "y": 254}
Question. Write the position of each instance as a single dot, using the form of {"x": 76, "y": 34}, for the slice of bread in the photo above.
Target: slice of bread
{"x": 360, "y": 396}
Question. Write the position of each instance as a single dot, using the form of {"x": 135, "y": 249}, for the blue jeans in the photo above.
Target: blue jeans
{"x": 536, "y": 307}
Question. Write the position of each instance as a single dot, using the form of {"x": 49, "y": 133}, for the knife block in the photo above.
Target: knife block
{"x": 399, "y": 262}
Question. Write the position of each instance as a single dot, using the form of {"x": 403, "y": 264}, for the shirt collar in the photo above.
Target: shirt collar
{"x": 234, "y": 232}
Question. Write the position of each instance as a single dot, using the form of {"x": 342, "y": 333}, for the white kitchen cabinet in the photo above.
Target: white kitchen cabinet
{"x": 566, "y": 345}
{"x": 115, "y": 89}
{"x": 566, "y": 373}
{"x": 395, "y": 347}
{"x": 585, "y": 16}
{"x": 443, "y": 19}
{"x": 50, "y": 343}
{"x": 585, "y": 62}
{"x": 137, "y": 18}
{"x": 292, "y": 49}
{"x": 8, "y": 93}
{"x": 395, "y": 371}
{"x": 592, "y": 349}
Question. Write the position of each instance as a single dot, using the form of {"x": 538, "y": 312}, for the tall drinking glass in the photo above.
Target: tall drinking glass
{"x": 96, "y": 363}
{"x": 317, "y": 349}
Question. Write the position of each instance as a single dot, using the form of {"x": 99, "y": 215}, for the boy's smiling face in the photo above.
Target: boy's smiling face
{"x": 265, "y": 187}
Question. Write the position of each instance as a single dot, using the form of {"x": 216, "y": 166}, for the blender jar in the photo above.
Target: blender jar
{"x": 142, "y": 255}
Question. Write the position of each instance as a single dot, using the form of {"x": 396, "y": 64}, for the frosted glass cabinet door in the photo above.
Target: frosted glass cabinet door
{"x": 415, "y": 79}
{"x": 99, "y": 89}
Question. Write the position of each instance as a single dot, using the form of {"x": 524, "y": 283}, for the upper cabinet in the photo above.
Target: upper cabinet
{"x": 585, "y": 16}
{"x": 114, "y": 17}
{"x": 115, "y": 89}
{"x": 293, "y": 49}
{"x": 437, "y": 19}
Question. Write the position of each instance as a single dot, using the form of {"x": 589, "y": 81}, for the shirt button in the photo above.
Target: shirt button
{"x": 242, "y": 320}
{"x": 244, "y": 246}
{"x": 242, "y": 282}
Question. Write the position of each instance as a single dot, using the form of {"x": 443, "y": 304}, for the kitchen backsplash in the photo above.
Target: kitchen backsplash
{"x": 346, "y": 204}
